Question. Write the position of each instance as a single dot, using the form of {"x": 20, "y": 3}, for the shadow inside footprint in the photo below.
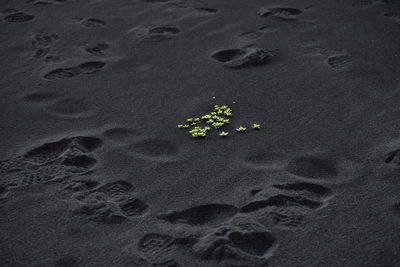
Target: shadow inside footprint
{"x": 245, "y": 57}
{"x": 283, "y": 13}
{"x": 91, "y": 67}
{"x": 205, "y": 214}
{"x": 93, "y": 23}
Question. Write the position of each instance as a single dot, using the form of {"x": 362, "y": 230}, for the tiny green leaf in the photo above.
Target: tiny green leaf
{"x": 223, "y": 134}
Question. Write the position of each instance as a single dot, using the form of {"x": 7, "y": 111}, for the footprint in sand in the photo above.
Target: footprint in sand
{"x": 337, "y": 60}
{"x": 322, "y": 168}
{"x": 159, "y": 249}
{"x": 313, "y": 47}
{"x": 239, "y": 242}
{"x": 207, "y": 10}
{"x": 92, "y": 23}
{"x": 15, "y": 16}
{"x": 42, "y": 44}
{"x": 243, "y": 57}
{"x": 280, "y": 12}
{"x": 70, "y": 72}
{"x": 39, "y": 98}
{"x": 155, "y": 33}
{"x": 96, "y": 49}
{"x": 285, "y": 206}
{"x": 49, "y": 162}
{"x": 113, "y": 202}
{"x": 393, "y": 157}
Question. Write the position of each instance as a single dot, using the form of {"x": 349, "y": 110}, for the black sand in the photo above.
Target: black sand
{"x": 94, "y": 171}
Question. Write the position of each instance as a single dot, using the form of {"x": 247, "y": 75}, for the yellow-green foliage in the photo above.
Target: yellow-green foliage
{"x": 218, "y": 118}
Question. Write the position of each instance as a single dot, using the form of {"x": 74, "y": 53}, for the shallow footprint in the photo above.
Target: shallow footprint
{"x": 91, "y": 67}
{"x": 93, "y": 23}
{"x": 245, "y": 244}
{"x": 97, "y": 49}
{"x": 114, "y": 190}
{"x": 156, "y": 33}
{"x": 158, "y": 249}
{"x": 133, "y": 207}
{"x": 71, "y": 108}
{"x": 18, "y": 17}
{"x": 244, "y": 57}
{"x": 283, "y": 13}
{"x": 340, "y": 61}
{"x": 39, "y": 98}
{"x": 62, "y": 73}
{"x": 311, "y": 191}
{"x": 314, "y": 167}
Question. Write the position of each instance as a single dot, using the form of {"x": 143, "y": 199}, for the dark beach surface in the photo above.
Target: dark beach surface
{"x": 95, "y": 172}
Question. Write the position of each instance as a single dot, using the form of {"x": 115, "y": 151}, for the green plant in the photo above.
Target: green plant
{"x": 223, "y": 134}
{"x": 241, "y": 129}
{"x": 218, "y": 118}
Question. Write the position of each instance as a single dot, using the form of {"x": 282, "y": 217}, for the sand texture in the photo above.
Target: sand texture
{"x": 95, "y": 172}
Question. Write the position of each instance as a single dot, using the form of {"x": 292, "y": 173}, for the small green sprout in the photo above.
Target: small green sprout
{"x": 189, "y": 120}
{"x": 226, "y": 121}
{"x": 210, "y": 121}
{"x": 185, "y": 126}
{"x": 223, "y": 134}
{"x": 228, "y": 114}
{"x": 224, "y": 107}
{"x": 180, "y": 126}
{"x": 218, "y": 125}
{"x": 256, "y": 126}
{"x": 207, "y": 129}
{"x": 193, "y": 123}
{"x": 206, "y": 117}
{"x": 197, "y": 119}
{"x": 241, "y": 129}
{"x": 213, "y": 113}
{"x": 213, "y": 98}
{"x": 219, "y": 112}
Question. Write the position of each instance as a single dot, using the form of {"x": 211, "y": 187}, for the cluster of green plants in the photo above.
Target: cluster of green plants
{"x": 218, "y": 118}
